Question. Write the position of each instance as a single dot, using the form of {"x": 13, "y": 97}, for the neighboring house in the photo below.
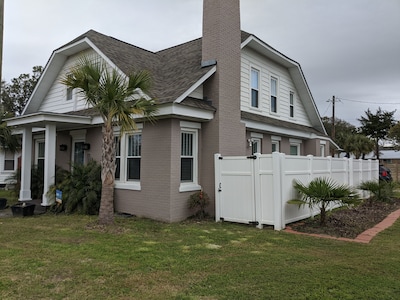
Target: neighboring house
{"x": 390, "y": 158}
{"x": 8, "y": 166}
{"x": 227, "y": 92}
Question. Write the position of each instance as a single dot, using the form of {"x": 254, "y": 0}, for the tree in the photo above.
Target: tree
{"x": 394, "y": 134}
{"x": 8, "y": 141}
{"x": 322, "y": 192}
{"x": 343, "y": 130}
{"x": 118, "y": 99}
{"x": 377, "y": 126}
{"x": 15, "y": 95}
{"x": 357, "y": 144}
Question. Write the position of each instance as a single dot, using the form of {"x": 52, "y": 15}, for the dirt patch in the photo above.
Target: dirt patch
{"x": 349, "y": 222}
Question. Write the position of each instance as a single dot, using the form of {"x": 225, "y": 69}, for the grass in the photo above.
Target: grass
{"x": 69, "y": 257}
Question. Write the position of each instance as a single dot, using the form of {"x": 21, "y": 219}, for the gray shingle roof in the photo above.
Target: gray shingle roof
{"x": 173, "y": 70}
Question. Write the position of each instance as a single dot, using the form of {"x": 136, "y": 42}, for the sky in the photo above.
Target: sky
{"x": 349, "y": 49}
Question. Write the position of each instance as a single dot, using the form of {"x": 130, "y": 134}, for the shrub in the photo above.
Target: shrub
{"x": 199, "y": 201}
{"x": 81, "y": 189}
{"x": 321, "y": 192}
{"x": 381, "y": 190}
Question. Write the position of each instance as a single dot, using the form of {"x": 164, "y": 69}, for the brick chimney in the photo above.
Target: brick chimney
{"x": 221, "y": 43}
{"x": 225, "y": 134}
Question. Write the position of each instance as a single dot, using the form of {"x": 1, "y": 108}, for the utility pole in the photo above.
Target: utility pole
{"x": 333, "y": 119}
{"x": 1, "y": 43}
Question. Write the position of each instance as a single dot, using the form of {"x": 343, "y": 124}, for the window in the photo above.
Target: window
{"x": 275, "y": 146}
{"x": 291, "y": 105}
{"x": 274, "y": 101}
{"x": 133, "y": 157}
{"x": 187, "y": 157}
{"x": 255, "y": 82}
{"x": 275, "y": 141}
{"x": 39, "y": 156}
{"x": 9, "y": 162}
{"x": 255, "y": 145}
{"x": 322, "y": 150}
{"x": 117, "y": 142}
{"x": 69, "y": 93}
{"x": 128, "y": 158}
{"x": 79, "y": 153}
{"x": 294, "y": 149}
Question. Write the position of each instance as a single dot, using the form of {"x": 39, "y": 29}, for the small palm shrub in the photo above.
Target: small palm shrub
{"x": 381, "y": 190}
{"x": 321, "y": 192}
{"x": 199, "y": 201}
{"x": 81, "y": 189}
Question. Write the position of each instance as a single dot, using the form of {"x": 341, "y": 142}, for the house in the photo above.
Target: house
{"x": 228, "y": 92}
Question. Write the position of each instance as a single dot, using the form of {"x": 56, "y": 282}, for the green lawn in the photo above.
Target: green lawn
{"x": 68, "y": 257}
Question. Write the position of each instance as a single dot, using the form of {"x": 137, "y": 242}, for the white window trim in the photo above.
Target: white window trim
{"x": 193, "y": 128}
{"x": 15, "y": 154}
{"x": 276, "y": 140}
{"x": 123, "y": 183}
{"x": 252, "y": 68}
{"x": 273, "y": 77}
{"x": 38, "y": 139}
{"x": 78, "y": 136}
{"x": 296, "y": 143}
{"x": 291, "y": 104}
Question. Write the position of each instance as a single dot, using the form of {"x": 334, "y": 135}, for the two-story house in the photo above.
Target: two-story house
{"x": 228, "y": 92}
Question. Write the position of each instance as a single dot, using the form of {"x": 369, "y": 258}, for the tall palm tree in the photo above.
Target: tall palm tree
{"x": 118, "y": 99}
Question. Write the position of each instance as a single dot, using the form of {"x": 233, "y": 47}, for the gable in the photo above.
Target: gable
{"x": 290, "y": 79}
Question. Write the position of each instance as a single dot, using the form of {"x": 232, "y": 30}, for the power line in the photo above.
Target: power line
{"x": 367, "y": 102}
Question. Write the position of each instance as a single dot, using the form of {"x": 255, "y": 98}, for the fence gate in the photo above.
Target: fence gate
{"x": 235, "y": 188}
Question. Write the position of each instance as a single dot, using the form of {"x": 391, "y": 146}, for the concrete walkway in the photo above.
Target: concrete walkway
{"x": 364, "y": 237}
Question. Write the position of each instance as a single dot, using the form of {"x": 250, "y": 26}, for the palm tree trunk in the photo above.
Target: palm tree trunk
{"x": 106, "y": 213}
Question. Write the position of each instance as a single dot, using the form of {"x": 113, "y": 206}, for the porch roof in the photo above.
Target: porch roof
{"x": 41, "y": 119}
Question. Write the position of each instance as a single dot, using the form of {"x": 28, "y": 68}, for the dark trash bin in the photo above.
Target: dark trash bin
{"x": 3, "y": 203}
{"x": 23, "y": 209}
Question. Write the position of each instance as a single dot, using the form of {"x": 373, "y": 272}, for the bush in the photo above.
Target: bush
{"x": 321, "y": 192}
{"x": 381, "y": 190}
{"x": 81, "y": 189}
{"x": 199, "y": 201}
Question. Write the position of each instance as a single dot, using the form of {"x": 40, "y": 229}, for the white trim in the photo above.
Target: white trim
{"x": 196, "y": 85}
{"x": 295, "y": 141}
{"x": 276, "y": 138}
{"x": 192, "y": 128}
{"x": 173, "y": 109}
{"x": 192, "y": 125}
{"x": 256, "y": 135}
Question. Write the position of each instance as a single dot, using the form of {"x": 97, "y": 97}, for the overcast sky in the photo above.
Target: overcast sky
{"x": 346, "y": 48}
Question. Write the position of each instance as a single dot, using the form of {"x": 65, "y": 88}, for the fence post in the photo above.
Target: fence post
{"x": 278, "y": 173}
{"x": 350, "y": 171}
{"x": 217, "y": 174}
{"x": 257, "y": 191}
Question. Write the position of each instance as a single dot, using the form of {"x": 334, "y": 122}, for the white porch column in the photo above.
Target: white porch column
{"x": 26, "y": 165}
{"x": 49, "y": 162}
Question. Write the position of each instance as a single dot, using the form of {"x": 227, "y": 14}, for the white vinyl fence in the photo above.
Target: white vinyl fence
{"x": 256, "y": 189}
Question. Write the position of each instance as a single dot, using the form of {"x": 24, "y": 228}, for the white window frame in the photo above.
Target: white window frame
{"x": 322, "y": 146}
{"x": 291, "y": 105}
{"x": 256, "y": 142}
{"x": 78, "y": 136}
{"x": 123, "y": 183}
{"x": 294, "y": 143}
{"x": 9, "y": 156}
{"x": 275, "y": 95}
{"x": 192, "y": 128}
{"x": 255, "y": 88}
{"x": 275, "y": 140}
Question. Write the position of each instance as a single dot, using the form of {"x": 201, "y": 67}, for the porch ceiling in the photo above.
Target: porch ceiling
{"x": 41, "y": 119}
